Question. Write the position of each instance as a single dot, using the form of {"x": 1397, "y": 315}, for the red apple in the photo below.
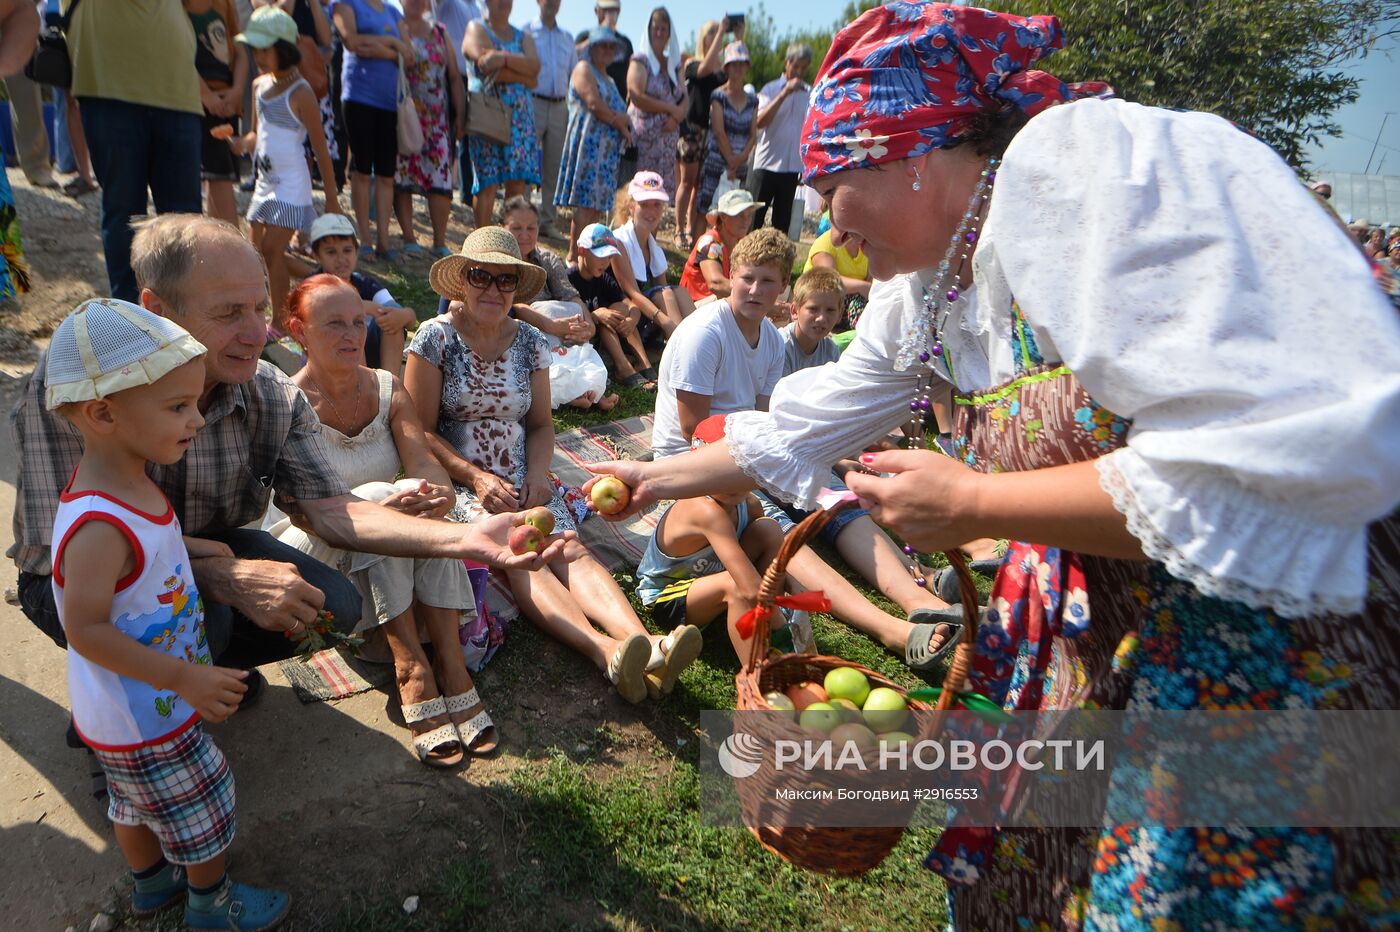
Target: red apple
{"x": 609, "y": 495}
{"x": 541, "y": 518}
{"x": 804, "y": 694}
{"x": 526, "y": 538}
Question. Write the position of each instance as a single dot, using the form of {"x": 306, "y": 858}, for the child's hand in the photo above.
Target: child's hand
{"x": 215, "y": 692}
{"x": 199, "y": 548}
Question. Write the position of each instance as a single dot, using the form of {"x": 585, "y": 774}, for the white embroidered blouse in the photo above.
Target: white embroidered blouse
{"x": 1178, "y": 267}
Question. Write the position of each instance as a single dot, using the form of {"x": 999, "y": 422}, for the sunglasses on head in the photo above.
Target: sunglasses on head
{"x": 482, "y": 279}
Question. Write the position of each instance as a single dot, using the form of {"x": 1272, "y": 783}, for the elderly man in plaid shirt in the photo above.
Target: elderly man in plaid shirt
{"x": 260, "y": 438}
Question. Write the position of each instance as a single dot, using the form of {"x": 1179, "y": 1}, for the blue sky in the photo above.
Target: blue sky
{"x": 1379, "y": 72}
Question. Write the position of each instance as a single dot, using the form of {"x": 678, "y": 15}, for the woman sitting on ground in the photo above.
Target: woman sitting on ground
{"x": 480, "y": 382}
{"x": 373, "y": 434}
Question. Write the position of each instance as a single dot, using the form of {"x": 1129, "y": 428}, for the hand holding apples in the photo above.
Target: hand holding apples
{"x": 622, "y": 481}
{"x": 609, "y": 495}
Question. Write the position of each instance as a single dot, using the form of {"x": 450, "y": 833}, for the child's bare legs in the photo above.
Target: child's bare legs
{"x": 450, "y": 667}
{"x": 634, "y": 339}
{"x": 612, "y": 345}
{"x": 403, "y": 211}
{"x": 219, "y": 202}
{"x": 809, "y": 571}
{"x": 142, "y": 851}
{"x": 710, "y": 597}
{"x": 870, "y": 552}
{"x": 439, "y": 209}
{"x": 272, "y": 242}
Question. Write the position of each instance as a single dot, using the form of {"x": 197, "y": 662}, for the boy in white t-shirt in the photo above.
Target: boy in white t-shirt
{"x": 140, "y": 678}
{"x": 727, "y": 356}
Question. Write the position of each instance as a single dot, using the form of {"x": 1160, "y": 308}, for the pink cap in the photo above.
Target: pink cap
{"x": 648, "y": 186}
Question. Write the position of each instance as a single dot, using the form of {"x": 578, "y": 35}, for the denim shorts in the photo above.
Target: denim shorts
{"x": 787, "y": 516}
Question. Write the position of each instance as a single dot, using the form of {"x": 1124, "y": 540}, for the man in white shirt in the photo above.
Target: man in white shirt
{"x": 782, "y": 105}
{"x": 727, "y": 356}
{"x": 557, "y": 59}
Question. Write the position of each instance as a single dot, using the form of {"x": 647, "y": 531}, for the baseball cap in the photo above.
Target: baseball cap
{"x": 266, "y": 27}
{"x": 333, "y": 225}
{"x": 106, "y": 346}
{"x": 734, "y": 202}
{"x": 735, "y": 51}
{"x": 648, "y": 186}
{"x": 599, "y": 241}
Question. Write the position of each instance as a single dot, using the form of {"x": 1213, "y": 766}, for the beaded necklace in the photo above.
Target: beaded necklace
{"x": 923, "y": 341}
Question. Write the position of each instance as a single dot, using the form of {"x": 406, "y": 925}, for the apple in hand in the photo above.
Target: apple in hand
{"x": 526, "y": 538}
{"x": 540, "y": 518}
{"x": 609, "y": 495}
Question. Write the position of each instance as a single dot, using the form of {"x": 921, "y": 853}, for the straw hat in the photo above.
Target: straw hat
{"x": 485, "y": 246}
{"x": 107, "y": 346}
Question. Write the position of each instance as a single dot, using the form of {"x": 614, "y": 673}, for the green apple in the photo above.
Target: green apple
{"x": 820, "y": 716}
{"x": 858, "y": 735}
{"x": 896, "y": 738}
{"x": 847, "y": 683}
{"x": 851, "y": 711}
{"x": 885, "y": 709}
{"x": 780, "y": 703}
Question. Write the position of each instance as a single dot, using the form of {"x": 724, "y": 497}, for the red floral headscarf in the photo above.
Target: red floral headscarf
{"x": 907, "y": 77}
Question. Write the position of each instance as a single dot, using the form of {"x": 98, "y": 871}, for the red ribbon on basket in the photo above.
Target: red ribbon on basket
{"x": 802, "y": 601}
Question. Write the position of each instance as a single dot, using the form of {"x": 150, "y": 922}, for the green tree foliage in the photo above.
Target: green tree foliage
{"x": 1272, "y": 66}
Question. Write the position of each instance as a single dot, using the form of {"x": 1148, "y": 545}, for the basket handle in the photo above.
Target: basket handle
{"x": 775, "y": 577}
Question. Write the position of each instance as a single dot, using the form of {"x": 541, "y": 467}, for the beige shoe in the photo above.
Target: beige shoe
{"x": 628, "y": 668}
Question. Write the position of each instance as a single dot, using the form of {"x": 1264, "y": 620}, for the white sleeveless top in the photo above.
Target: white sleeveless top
{"x": 371, "y": 454}
{"x": 156, "y": 604}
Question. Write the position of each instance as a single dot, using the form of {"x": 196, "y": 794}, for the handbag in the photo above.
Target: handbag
{"x": 313, "y": 66}
{"x": 488, "y": 116}
{"x": 51, "y": 63}
{"x": 409, "y": 125}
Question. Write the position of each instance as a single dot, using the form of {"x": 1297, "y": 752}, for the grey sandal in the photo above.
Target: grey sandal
{"x": 916, "y": 652}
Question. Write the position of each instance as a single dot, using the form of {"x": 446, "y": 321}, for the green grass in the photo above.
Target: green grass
{"x": 595, "y": 844}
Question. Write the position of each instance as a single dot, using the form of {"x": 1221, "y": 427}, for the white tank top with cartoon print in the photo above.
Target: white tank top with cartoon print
{"x": 157, "y": 605}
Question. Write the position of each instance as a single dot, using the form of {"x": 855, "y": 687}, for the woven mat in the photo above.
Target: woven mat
{"x": 618, "y": 545}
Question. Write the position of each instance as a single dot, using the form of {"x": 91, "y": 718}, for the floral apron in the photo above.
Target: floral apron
{"x": 1064, "y": 631}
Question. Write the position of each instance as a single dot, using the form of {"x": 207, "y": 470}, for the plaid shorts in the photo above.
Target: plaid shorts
{"x": 181, "y": 789}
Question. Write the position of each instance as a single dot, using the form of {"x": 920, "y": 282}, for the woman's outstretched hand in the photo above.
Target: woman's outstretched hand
{"x": 929, "y": 499}
{"x": 633, "y": 474}
{"x": 486, "y": 542}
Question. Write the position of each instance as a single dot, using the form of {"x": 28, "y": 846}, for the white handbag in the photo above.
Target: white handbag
{"x": 410, "y": 127}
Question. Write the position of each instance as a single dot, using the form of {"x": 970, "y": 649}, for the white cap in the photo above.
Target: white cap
{"x": 332, "y": 225}
{"x": 107, "y": 346}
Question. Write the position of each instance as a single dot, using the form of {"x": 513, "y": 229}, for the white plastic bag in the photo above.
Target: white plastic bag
{"x": 726, "y": 184}
{"x": 573, "y": 370}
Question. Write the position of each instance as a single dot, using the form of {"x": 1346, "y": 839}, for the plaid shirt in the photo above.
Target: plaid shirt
{"x": 258, "y": 438}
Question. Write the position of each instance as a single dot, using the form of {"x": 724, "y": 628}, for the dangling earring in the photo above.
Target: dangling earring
{"x": 918, "y": 181}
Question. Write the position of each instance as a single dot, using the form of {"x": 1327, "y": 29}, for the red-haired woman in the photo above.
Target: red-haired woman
{"x": 372, "y": 433}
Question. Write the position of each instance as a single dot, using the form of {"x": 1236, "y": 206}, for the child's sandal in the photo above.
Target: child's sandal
{"x": 477, "y": 734}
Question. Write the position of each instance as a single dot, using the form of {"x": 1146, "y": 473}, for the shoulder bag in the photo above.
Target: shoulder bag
{"x": 409, "y": 125}
{"x": 51, "y": 63}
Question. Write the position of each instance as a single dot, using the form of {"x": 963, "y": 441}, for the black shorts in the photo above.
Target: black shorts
{"x": 374, "y": 139}
{"x": 690, "y": 145}
{"x": 668, "y": 611}
{"x": 216, "y": 160}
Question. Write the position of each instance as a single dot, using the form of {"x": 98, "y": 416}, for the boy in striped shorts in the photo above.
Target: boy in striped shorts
{"x": 140, "y": 677}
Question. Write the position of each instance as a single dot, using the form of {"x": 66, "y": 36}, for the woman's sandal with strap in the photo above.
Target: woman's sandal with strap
{"x": 671, "y": 655}
{"x": 916, "y": 652}
{"x": 430, "y": 745}
{"x": 478, "y": 733}
{"x": 628, "y": 668}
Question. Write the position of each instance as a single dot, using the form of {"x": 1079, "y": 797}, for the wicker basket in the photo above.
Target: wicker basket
{"x": 831, "y": 850}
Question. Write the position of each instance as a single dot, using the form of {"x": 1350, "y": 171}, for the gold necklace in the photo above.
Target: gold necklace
{"x": 359, "y": 390}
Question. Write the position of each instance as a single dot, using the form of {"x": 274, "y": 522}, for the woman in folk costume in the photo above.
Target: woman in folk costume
{"x": 1177, "y": 392}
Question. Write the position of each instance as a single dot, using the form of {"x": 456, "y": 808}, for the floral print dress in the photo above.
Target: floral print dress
{"x": 1064, "y": 631}
{"x": 738, "y": 125}
{"x": 429, "y": 171}
{"x": 656, "y": 147}
{"x": 520, "y": 160}
{"x": 592, "y": 149}
{"x": 483, "y": 409}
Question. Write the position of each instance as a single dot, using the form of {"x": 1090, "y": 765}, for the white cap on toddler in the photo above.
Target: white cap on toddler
{"x": 107, "y": 345}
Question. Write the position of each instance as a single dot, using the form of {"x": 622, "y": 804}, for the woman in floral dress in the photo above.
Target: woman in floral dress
{"x": 1126, "y": 408}
{"x": 437, "y": 95}
{"x": 657, "y": 101}
{"x": 480, "y": 381}
{"x": 506, "y": 57}
{"x": 598, "y": 132}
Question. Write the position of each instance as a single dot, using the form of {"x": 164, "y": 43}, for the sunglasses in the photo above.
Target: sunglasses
{"x": 482, "y": 279}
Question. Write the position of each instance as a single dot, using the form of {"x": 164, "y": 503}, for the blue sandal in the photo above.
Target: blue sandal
{"x": 241, "y": 907}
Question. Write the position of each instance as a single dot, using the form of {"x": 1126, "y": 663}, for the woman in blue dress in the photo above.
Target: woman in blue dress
{"x": 506, "y": 58}
{"x": 598, "y": 132}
